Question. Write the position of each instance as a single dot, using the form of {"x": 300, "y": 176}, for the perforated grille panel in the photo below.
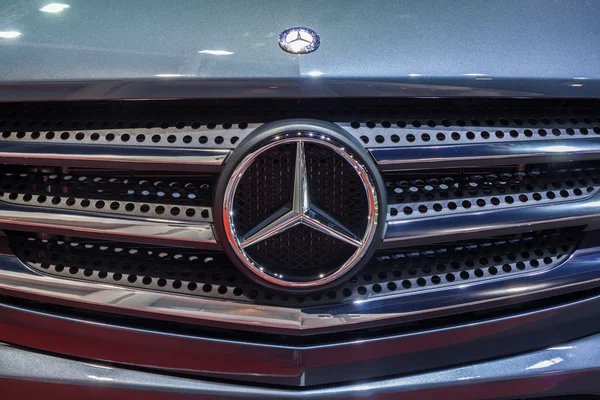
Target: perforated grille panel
{"x": 148, "y": 194}
{"x": 429, "y": 194}
{"x": 211, "y": 275}
{"x": 224, "y": 124}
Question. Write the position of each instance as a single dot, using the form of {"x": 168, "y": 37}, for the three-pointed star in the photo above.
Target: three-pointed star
{"x": 302, "y": 211}
{"x": 299, "y": 37}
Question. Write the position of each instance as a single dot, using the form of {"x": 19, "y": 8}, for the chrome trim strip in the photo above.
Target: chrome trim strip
{"x": 404, "y": 232}
{"x": 139, "y": 230}
{"x": 578, "y": 272}
{"x": 130, "y": 157}
{"x": 425, "y": 136}
{"x": 215, "y": 137}
{"x": 466, "y": 155}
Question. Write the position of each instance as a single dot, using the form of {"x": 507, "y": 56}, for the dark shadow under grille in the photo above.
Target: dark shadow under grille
{"x": 211, "y": 274}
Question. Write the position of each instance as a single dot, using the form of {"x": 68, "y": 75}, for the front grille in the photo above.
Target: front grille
{"x": 212, "y": 275}
{"x": 479, "y": 194}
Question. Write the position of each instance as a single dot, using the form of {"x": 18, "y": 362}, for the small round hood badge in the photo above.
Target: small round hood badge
{"x": 299, "y": 40}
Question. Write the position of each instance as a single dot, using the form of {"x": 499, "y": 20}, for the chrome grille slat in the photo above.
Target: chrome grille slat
{"x": 153, "y": 231}
{"x": 486, "y": 154}
{"x": 379, "y": 137}
{"x": 60, "y": 155}
{"x": 216, "y": 137}
{"x": 396, "y": 211}
{"x": 439, "y": 195}
{"x": 168, "y": 212}
{"x": 503, "y": 221}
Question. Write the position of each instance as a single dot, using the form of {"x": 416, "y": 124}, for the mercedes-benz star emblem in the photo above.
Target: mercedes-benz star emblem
{"x": 300, "y": 209}
{"x": 299, "y": 40}
{"x": 301, "y": 212}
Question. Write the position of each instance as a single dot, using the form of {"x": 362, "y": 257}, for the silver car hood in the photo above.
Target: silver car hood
{"x": 115, "y": 49}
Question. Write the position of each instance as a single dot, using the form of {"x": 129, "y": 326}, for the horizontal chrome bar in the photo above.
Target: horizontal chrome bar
{"x": 203, "y": 137}
{"x": 403, "y": 232}
{"x": 97, "y": 156}
{"x": 467, "y": 155}
{"x": 582, "y": 270}
{"x": 425, "y": 136}
{"x": 139, "y": 230}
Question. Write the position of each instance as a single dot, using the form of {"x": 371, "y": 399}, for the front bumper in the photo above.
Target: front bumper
{"x": 567, "y": 369}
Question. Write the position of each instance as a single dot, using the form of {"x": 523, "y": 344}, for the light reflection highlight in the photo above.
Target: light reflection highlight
{"x": 55, "y": 8}
{"x": 98, "y": 366}
{"x": 467, "y": 378}
{"x": 216, "y": 52}
{"x": 546, "y": 363}
{"x": 559, "y": 149}
{"x": 315, "y": 73}
{"x": 9, "y": 34}
{"x": 100, "y": 378}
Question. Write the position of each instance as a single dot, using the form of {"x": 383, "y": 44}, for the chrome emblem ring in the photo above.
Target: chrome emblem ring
{"x": 302, "y": 212}
{"x": 299, "y": 40}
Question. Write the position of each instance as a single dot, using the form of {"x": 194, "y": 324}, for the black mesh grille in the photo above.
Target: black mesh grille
{"x": 336, "y": 188}
{"x": 212, "y": 275}
{"x": 301, "y": 251}
{"x": 265, "y": 187}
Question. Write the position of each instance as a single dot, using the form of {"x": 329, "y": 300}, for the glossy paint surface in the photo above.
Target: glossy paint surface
{"x": 185, "y": 48}
{"x": 569, "y": 368}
